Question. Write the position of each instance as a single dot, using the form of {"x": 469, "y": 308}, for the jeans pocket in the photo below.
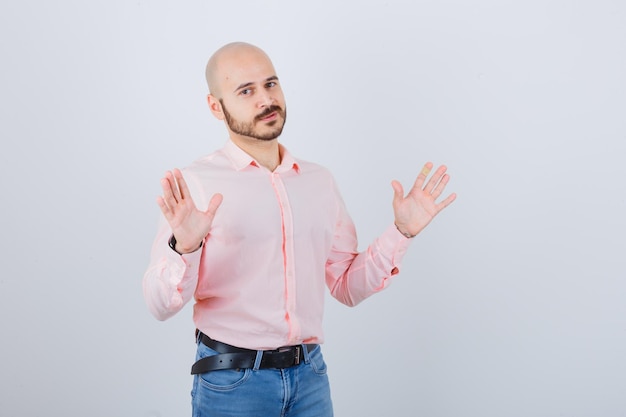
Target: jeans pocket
{"x": 223, "y": 379}
{"x": 317, "y": 361}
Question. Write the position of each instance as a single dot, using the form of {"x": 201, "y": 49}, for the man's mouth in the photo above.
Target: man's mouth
{"x": 272, "y": 116}
{"x": 269, "y": 115}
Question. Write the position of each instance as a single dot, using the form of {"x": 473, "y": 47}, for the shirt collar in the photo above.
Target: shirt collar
{"x": 241, "y": 160}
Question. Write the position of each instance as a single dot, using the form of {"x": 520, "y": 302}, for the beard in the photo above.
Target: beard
{"x": 249, "y": 128}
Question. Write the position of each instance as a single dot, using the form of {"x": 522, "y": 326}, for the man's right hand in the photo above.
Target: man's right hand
{"x": 189, "y": 225}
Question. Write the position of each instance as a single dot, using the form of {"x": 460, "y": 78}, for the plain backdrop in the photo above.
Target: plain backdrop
{"x": 512, "y": 302}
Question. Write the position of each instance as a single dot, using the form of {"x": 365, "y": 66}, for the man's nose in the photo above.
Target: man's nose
{"x": 265, "y": 99}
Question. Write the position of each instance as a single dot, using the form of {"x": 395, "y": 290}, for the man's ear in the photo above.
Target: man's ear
{"x": 215, "y": 106}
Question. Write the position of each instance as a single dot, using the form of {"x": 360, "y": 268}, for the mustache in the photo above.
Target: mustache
{"x": 268, "y": 111}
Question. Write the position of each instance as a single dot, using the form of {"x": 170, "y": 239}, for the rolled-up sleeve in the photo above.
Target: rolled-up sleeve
{"x": 171, "y": 279}
{"x": 352, "y": 276}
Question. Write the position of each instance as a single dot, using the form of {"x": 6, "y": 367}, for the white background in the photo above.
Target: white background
{"x": 512, "y": 303}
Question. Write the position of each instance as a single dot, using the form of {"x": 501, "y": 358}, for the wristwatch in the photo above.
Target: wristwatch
{"x": 172, "y": 244}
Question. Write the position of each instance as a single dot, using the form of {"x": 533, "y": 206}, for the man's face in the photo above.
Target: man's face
{"x": 251, "y": 97}
{"x": 267, "y": 125}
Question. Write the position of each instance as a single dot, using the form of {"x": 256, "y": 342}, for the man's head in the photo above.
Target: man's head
{"x": 244, "y": 92}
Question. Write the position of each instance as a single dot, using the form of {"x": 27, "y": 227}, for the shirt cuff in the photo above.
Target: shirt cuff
{"x": 186, "y": 261}
{"x": 393, "y": 243}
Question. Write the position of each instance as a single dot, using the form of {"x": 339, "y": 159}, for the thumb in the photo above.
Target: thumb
{"x": 214, "y": 204}
{"x": 398, "y": 192}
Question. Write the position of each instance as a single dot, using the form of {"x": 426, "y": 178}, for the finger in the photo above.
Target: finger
{"x": 441, "y": 185}
{"x": 167, "y": 212}
{"x": 214, "y": 204}
{"x": 435, "y": 179}
{"x": 169, "y": 190}
{"x": 182, "y": 185}
{"x": 445, "y": 203}
{"x": 419, "y": 181}
{"x": 398, "y": 192}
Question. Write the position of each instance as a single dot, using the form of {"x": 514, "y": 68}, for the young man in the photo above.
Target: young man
{"x": 255, "y": 235}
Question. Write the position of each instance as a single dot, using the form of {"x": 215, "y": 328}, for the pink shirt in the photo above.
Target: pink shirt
{"x": 276, "y": 241}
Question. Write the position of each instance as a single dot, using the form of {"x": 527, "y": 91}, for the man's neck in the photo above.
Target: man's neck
{"x": 265, "y": 152}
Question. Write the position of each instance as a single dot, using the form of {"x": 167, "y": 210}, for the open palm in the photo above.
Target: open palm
{"x": 189, "y": 225}
{"x": 416, "y": 210}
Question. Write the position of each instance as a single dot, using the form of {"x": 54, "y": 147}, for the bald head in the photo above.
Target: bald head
{"x": 230, "y": 59}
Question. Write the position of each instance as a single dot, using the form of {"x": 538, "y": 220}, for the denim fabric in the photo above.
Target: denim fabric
{"x": 299, "y": 391}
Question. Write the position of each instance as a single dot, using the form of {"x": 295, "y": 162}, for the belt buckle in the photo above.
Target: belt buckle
{"x": 297, "y": 359}
{"x": 296, "y": 350}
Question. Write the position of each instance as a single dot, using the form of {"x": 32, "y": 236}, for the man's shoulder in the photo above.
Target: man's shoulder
{"x": 311, "y": 167}
{"x": 215, "y": 159}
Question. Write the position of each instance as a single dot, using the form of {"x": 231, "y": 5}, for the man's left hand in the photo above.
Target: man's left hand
{"x": 414, "y": 211}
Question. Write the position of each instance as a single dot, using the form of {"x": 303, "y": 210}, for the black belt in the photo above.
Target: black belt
{"x": 232, "y": 357}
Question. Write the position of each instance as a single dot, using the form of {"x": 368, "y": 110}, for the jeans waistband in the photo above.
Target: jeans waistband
{"x": 233, "y": 357}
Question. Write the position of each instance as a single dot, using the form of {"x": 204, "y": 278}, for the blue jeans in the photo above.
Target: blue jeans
{"x": 299, "y": 391}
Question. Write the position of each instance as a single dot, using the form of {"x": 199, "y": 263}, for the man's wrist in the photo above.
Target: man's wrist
{"x": 405, "y": 234}
{"x": 172, "y": 244}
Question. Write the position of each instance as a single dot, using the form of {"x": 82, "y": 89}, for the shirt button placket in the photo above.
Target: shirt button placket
{"x": 288, "y": 257}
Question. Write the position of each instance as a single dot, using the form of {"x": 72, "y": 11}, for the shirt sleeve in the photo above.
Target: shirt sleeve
{"x": 170, "y": 280}
{"x": 352, "y": 276}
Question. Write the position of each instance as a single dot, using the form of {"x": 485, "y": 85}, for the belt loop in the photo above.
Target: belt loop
{"x": 257, "y": 360}
{"x": 307, "y": 356}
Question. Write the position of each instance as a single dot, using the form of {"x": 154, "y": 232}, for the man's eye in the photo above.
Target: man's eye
{"x": 246, "y": 91}
{"x": 270, "y": 84}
